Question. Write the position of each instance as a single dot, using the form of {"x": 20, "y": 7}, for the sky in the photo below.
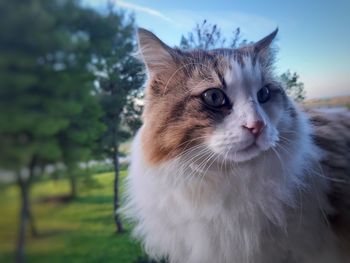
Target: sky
{"x": 313, "y": 38}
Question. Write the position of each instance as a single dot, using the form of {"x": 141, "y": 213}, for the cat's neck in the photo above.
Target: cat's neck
{"x": 269, "y": 182}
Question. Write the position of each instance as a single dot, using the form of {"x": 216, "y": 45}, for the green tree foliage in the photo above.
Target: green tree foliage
{"x": 118, "y": 84}
{"x": 293, "y": 86}
{"x": 208, "y": 36}
{"x": 47, "y": 111}
{"x": 79, "y": 139}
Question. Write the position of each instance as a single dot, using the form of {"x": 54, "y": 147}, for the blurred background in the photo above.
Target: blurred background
{"x": 71, "y": 96}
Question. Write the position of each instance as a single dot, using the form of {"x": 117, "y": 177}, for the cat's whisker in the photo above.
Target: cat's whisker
{"x": 281, "y": 165}
{"x": 223, "y": 162}
{"x": 280, "y": 146}
{"x": 284, "y": 140}
{"x": 321, "y": 174}
{"x": 288, "y": 131}
{"x": 201, "y": 176}
{"x": 198, "y": 152}
{"x": 319, "y": 202}
{"x": 198, "y": 168}
{"x": 193, "y": 159}
{"x": 187, "y": 153}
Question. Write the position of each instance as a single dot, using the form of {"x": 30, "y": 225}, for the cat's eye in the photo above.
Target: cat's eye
{"x": 215, "y": 98}
{"x": 264, "y": 94}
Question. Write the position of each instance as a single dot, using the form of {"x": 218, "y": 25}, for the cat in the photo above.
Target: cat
{"x": 225, "y": 168}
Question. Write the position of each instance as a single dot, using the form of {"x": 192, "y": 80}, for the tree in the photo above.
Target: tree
{"x": 119, "y": 80}
{"x": 208, "y": 36}
{"x": 43, "y": 94}
{"x": 26, "y": 130}
{"x": 293, "y": 86}
{"x": 204, "y": 36}
{"x": 79, "y": 139}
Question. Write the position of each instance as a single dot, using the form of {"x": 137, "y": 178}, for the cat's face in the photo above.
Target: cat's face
{"x": 223, "y": 102}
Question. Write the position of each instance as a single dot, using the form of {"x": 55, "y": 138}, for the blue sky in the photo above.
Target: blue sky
{"x": 313, "y": 40}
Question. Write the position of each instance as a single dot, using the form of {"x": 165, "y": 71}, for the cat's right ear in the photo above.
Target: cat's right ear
{"x": 155, "y": 54}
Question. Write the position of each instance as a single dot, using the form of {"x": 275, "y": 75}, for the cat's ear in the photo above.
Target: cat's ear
{"x": 263, "y": 49}
{"x": 156, "y": 55}
{"x": 265, "y": 43}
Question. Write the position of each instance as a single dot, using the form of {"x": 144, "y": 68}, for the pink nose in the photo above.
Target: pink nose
{"x": 255, "y": 127}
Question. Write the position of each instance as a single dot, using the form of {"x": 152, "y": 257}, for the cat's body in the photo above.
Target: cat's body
{"x": 193, "y": 198}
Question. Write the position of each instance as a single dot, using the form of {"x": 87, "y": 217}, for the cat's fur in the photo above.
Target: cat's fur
{"x": 201, "y": 188}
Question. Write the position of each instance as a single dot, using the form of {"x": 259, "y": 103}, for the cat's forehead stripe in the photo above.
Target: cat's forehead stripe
{"x": 237, "y": 72}
{"x": 233, "y": 73}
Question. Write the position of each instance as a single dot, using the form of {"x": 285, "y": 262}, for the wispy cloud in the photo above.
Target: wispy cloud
{"x": 143, "y": 9}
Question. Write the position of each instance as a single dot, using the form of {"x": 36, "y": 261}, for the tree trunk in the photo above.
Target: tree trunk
{"x": 23, "y": 219}
{"x": 26, "y": 216}
{"x": 117, "y": 220}
{"x": 73, "y": 185}
{"x": 31, "y": 221}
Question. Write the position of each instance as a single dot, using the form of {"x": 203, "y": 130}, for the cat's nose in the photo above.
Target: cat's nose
{"x": 255, "y": 127}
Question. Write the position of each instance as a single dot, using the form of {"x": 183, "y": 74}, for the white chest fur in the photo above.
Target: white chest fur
{"x": 260, "y": 211}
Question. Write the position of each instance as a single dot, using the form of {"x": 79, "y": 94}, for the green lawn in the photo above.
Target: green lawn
{"x": 78, "y": 231}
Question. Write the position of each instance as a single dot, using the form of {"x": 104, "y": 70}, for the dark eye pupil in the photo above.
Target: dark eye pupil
{"x": 214, "y": 98}
{"x": 264, "y": 94}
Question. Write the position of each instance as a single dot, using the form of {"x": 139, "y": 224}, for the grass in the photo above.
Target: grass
{"x": 342, "y": 101}
{"x": 81, "y": 230}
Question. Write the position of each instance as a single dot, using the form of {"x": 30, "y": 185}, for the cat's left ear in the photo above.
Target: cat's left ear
{"x": 157, "y": 56}
{"x": 263, "y": 49}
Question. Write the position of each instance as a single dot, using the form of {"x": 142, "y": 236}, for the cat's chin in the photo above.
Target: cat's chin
{"x": 246, "y": 154}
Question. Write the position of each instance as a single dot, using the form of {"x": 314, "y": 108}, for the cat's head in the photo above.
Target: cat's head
{"x": 225, "y": 102}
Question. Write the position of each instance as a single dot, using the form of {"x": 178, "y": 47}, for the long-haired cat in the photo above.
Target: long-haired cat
{"x": 225, "y": 168}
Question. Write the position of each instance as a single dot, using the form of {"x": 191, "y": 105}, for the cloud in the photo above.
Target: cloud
{"x": 143, "y": 9}
{"x": 253, "y": 26}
